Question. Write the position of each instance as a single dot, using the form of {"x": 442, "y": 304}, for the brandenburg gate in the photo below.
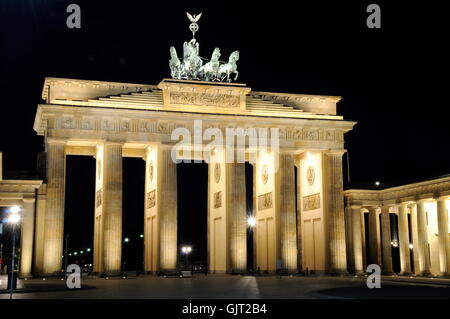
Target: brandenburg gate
{"x": 298, "y": 198}
{"x": 110, "y": 121}
{"x": 299, "y": 212}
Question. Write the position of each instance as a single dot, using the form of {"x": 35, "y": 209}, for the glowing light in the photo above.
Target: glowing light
{"x": 126, "y": 239}
{"x": 14, "y": 218}
{"x": 141, "y": 236}
{"x": 411, "y": 246}
{"x": 251, "y": 221}
{"x": 88, "y": 250}
{"x": 14, "y": 209}
{"x": 377, "y": 183}
{"x": 186, "y": 249}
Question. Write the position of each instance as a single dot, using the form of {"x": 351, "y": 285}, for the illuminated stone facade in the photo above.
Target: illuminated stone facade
{"x": 26, "y": 194}
{"x": 110, "y": 121}
{"x": 421, "y": 237}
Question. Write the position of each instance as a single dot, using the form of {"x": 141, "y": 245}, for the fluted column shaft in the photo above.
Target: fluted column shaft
{"x": 112, "y": 210}
{"x": 444, "y": 246}
{"x": 237, "y": 213}
{"x": 334, "y": 205}
{"x": 403, "y": 231}
{"x": 374, "y": 236}
{"x": 167, "y": 181}
{"x": 415, "y": 238}
{"x": 54, "y": 216}
{"x": 424, "y": 261}
{"x": 357, "y": 239}
{"x": 349, "y": 239}
{"x": 26, "y": 239}
{"x": 39, "y": 235}
{"x": 288, "y": 223}
{"x": 386, "y": 241}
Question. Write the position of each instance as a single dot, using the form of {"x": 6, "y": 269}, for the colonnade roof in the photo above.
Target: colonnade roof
{"x": 428, "y": 189}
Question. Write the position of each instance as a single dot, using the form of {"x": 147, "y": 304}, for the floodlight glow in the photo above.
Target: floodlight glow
{"x": 251, "y": 221}
{"x": 14, "y": 218}
{"x": 186, "y": 249}
{"x": 14, "y": 209}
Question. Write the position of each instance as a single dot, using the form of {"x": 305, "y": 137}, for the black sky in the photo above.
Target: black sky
{"x": 391, "y": 79}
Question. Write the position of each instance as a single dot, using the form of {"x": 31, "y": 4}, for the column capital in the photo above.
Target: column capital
{"x": 56, "y": 141}
{"x": 28, "y": 200}
{"x": 386, "y": 209}
{"x": 441, "y": 198}
{"x": 335, "y": 152}
{"x": 423, "y": 200}
{"x": 355, "y": 206}
{"x": 374, "y": 209}
{"x": 113, "y": 143}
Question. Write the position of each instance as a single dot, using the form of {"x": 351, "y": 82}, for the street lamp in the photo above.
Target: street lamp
{"x": 13, "y": 219}
{"x": 251, "y": 221}
{"x": 186, "y": 250}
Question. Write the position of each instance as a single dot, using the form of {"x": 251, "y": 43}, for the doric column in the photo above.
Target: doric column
{"x": 334, "y": 208}
{"x": 299, "y": 219}
{"x": 151, "y": 212}
{"x": 403, "y": 231}
{"x": 167, "y": 180}
{"x": 26, "y": 239}
{"x": 357, "y": 239}
{"x": 237, "y": 214}
{"x": 424, "y": 261}
{"x": 374, "y": 236}
{"x": 54, "y": 215}
{"x": 386, "y": 241}
{"x": 414, "y": 237}
{"x": 288, "y": 224}
{"x": 349, "y": 239}
{"x": 39, "y": 239}
{"x": 108, "y": 209}
{"x": 444, "y": 247}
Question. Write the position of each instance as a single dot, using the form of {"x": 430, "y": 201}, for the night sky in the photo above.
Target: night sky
{"x": 391, "y": 79}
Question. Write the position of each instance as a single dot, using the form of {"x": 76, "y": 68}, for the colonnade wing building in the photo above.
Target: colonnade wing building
{"x": 297, "y": 228}
{"x": 410, "y": 219}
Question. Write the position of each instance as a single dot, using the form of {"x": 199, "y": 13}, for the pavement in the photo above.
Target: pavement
{"x": 234, "y": 287}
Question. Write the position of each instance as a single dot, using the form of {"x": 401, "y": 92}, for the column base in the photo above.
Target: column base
{"x": 23, "y": 276}
{"x": 388, "y": 273}
{"x": 426, "y": 274}
{"x": 406, "y": 274}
